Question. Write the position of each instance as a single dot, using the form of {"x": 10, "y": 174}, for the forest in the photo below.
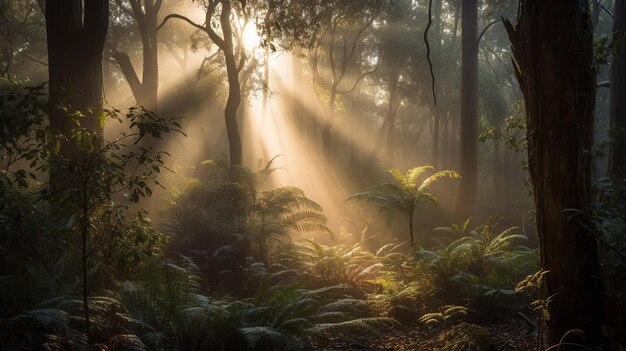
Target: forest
{"x": 257, "y": 175}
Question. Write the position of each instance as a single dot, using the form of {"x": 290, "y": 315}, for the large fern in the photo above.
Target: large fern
{"x": 406, "y": 194}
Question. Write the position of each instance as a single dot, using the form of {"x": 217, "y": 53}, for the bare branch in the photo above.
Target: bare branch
{"x": 430, "y": 64}
{"x": 485, "y": 29}
{"x": 35, "y": 60}
{"x": 604, "y": 8}
{"x": 124, "y": 9}
{"x": 180, "y": 17}
{"x": 357, "y": 81}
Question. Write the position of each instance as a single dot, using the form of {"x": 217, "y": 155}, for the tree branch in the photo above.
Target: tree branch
{"x": 604, "y": 8}
{"x": 180, "y": 17}
{"x": 430, "y": 64}
{"x": 357, "y": 81}
{"x": 123, "y": 61}
{"x": 485, "y": 29}
{"x": 207, "y": 25}
{"x": 124, "y": 9}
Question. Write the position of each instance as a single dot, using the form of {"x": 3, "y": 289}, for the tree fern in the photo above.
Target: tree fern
{"x": 405, "y": 194}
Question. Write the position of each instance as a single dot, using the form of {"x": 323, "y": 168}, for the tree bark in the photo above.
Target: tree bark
{"x": 469, "y": 111}
{"x": 234, "y": 88}
{"x": 617, "y": 152}
{"x": 76, "y": 32}
{"x": 552, "y": 50}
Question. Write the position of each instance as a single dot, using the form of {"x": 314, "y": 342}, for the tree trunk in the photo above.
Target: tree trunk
{"x": 76, "y": 33}
{"x": 266, "y": 87}
{"x": 617, "y": 152}
{"x": 76, "y": 37}
{"x": 469, "y": 111}
{"x": 327, "y": 125}
{"x": 391, "y": 113}
{"x": 497, "y": 169}
{"x": 146, "y": 90}
{"x": 234, "y": 88}
{"x": 411, "y": 230}
{"x": 552, "y": 47}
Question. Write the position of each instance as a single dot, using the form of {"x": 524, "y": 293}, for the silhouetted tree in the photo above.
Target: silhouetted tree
{"x": 76, "y": 34}
{"x": 469, "y": 111}
{"x": 145, "y": 15}
{"x": 617, "y": 155}
{"x": 552, "y": 48}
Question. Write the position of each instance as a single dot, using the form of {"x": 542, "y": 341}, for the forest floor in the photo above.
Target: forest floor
{"x": 513, "y": 335}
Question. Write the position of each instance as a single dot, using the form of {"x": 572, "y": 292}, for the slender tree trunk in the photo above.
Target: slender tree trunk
{"x": 353, "y": 111}
{"x": 411, "y": 230}
{"x": 234, "y": 88}
{"x": 327, "y": 126}
{"x": 497, "y": 169}
{"x": 617, "y": 152}
{"x": 391, "y": 113}
{"x": 469, "y": 112}
{"x": 266, "y": 87}
{"x": 145, "y": 90}
{"x": 436, "y": 133}
{"x": 552, "y": 47}
{"x": 444, "y": 159}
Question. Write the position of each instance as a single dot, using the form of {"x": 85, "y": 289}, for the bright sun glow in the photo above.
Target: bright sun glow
{"x": 251, "y": 39}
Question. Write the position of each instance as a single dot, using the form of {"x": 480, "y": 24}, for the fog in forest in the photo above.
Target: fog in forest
{"x": 326, "y": 175}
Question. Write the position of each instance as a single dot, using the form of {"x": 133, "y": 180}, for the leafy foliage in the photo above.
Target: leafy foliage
{"x": 444, "y": 314}
{"x": 405, "y": 194}
{"x": 232, "y": 216}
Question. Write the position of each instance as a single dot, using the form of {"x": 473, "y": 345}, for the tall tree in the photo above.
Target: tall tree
{"x": 617, "y": 155}
{"x": 76, "y": 32}
{"x": 341, "y": 48}
{"x": 469, "y": 110}
{"x": 145, "y": 15}
{"x": 552, "y": 49}
{"x": 231, "y": 45}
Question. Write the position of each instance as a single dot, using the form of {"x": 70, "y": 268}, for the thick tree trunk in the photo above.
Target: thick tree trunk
{"x": 76, "y": 32}
{"x": 552, "y": 48}
{"x": 617, "y": 154}
{"x": 469, "y": 111}
{"x": 76, "y": 38}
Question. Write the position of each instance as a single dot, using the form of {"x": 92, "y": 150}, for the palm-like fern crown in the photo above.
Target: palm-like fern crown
{"x": 406, "y": 193}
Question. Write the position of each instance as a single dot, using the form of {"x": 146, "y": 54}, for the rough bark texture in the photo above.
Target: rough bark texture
{"x": 469, "y": 111}
{"x": 552, "y": 49}
{"x": 617, "y": 155}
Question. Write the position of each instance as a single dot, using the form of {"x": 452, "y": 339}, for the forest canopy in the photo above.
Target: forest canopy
{"x": 312, "y": 175}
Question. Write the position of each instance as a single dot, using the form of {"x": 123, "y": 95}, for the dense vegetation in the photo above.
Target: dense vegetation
{"x": 227, "y": 198}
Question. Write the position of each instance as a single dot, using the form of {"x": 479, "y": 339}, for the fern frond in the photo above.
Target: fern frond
{"x": 433, "y": 178}
{"x": 414, "y": 173}
{"x": 370, "y": 324}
